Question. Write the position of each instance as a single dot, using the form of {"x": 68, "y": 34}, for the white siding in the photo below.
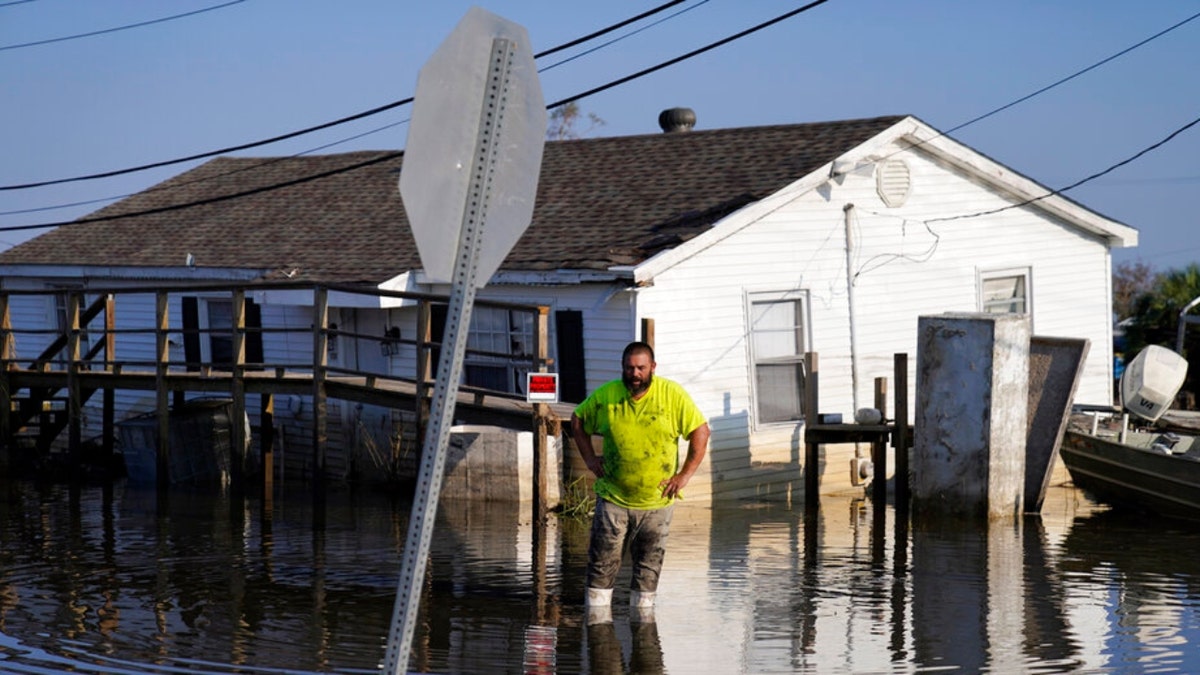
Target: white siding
{"x": 608, "y": 323}
{"x": 904, "y": 268}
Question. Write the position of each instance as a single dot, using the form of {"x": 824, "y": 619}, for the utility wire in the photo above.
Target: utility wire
{"x": 1044, "y": 89}
{"x": 1074, "y": 75}
{"x": 609, "y": 43}
{"x": 594, "y": 90}
{"x": 213, "y": 200}
{"x": 691, "y": 54}
{"x": 14, "y": 2}
{"x": 1077, "y": 183}
{"x": 386, "y": 126}
{"x": 300, "y": 132}
{"x": 609, "y": 29}
{"x": 118, "y": 28}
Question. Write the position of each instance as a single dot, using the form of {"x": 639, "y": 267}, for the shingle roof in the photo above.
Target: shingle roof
{"x": 600, "y": 202}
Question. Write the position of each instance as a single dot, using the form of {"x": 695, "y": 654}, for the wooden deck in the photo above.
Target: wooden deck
{"x": 65, "y": 372}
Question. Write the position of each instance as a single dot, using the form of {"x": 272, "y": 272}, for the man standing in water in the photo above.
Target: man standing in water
{"x": 641, "y": 419}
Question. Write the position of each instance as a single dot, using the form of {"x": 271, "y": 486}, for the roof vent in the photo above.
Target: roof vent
{"x": 893, "y": 182}
{"x": 673, "y": 120}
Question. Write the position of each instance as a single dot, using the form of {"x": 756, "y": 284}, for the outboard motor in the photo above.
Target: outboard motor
{"x": 1150, "y": 382}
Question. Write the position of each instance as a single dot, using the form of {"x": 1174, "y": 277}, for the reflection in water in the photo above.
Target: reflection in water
{"x": 104, "y": 580}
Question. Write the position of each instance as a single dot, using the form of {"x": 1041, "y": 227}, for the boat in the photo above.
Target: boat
{"x": 1141, "y": 455}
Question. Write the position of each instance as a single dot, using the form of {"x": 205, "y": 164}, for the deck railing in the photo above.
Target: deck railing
{"x": 89, "y": 342}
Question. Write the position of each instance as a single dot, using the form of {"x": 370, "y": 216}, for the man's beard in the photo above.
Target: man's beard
{"x": 635, "y": 388}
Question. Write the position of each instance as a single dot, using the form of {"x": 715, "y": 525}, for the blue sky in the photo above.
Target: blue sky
{"x": 260, "y": 68}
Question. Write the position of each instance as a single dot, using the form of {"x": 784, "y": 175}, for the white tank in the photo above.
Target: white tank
{"x": 1151, "y": 380}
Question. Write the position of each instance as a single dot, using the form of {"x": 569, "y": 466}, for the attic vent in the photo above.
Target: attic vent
{"x": 893, "y": 182}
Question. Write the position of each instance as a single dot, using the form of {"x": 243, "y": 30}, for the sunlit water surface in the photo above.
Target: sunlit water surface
{"x": 116, "y": 581}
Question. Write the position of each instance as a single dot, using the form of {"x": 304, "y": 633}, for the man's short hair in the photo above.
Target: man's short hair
{"x": 637, "y": 348}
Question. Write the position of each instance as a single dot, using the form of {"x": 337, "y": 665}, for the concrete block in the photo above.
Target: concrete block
{"x": 494, "y": 464}
{"x": 1055, "y": 366}
{"x": 968, "y": 455}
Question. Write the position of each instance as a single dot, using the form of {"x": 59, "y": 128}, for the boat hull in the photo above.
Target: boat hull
{"x": 1130, "y": 476}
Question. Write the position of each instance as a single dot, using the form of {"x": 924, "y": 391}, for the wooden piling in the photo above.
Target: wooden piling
{"x": 900, "y": 438}
{"x": 812, "y": 450}
{"x": 74, "y": 395}
{"x": 237, "y": 391}
{"x": 879, "y": 446}
{"x": 320, "y": 406}
{"x": 6, "y": 354}
{"x": 162, "y": 405}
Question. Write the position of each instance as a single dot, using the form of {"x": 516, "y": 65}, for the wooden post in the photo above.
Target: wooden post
{"x": 812, "y": 451}
{"x": 74, "y": 396}
{"x": 108, "y": 419}
{"x": 266, "y": 437}
{"x": 162, "y": 360}
{"x": 542, "y": 429}
{"x": 6, "y": 354}
{"x": 320, "y": 361}
{"x": 541, "y": 414}
{"x": 900, "y": 437}
{"x": 237, "y": 387}
{"x": 424, "y": 367}
{"x": 879, "y": 447}
{"x": 648, "y": 332}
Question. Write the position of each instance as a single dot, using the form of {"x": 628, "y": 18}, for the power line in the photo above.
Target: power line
{"x": 1073, "y": 75}
{"x": 211, "y": 200}
{"x": 608, "y": 29}
{"x": 684, "y": 57}
{"x": 609, "y": 43}
{"x": 371, "y": 112}
{"x": 213, "y": 153}
{"x": 594, "y": 90}
{"x": 1077, "y": 183}
{"x": 14, "y": 2}
{"x": 308, "y": 130}
{"x": 179, "y": 184}
{"x": 119, "y": 28}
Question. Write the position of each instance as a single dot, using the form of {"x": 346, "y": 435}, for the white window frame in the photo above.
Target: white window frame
{"x": 505, "y": 331}
{"x": 803, "y": 336}
{"x": 995, "y": 306}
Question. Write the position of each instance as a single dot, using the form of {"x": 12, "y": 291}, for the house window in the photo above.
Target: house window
{"x": 220, "y": 332}
{"x": 208, "y": 333}
{"x": 1004, "y": 292}
{"x": 497, "y": 332}
{"x": 777, "y": 346}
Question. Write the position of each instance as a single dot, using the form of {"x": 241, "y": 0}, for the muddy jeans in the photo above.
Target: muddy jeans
{"x": 644, "y": 533}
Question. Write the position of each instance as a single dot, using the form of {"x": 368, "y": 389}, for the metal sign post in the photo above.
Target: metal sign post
{"x": 491, "y": 179}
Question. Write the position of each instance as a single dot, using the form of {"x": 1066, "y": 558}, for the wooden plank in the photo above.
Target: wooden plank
{"x": 879, "y": 447}
{"x": 812, "y": 448}
{"x": 108, "y": 416}
{"x": 74, "y": 395}
{"x": 541, "y": 423}
{"x": 162, "y": 407}
{"x": 902, "y": 438}
{"x": 6, "y": 390}
{"x": 237, "y": 391}
{"x": 320, "y": 433}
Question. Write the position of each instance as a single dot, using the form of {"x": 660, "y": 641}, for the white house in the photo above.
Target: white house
{"x": 747, "y": 247}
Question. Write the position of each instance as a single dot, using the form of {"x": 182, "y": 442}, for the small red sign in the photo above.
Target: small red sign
{"x": 542, "y": 387}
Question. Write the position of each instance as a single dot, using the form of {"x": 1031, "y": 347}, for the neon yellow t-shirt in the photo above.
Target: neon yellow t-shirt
{"x": 641, "y": 439}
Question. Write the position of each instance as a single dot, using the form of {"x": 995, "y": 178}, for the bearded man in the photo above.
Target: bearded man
{"x": 638, "y": 478}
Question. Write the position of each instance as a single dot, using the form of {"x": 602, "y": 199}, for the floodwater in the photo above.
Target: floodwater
{"x": 97, "y": 580}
